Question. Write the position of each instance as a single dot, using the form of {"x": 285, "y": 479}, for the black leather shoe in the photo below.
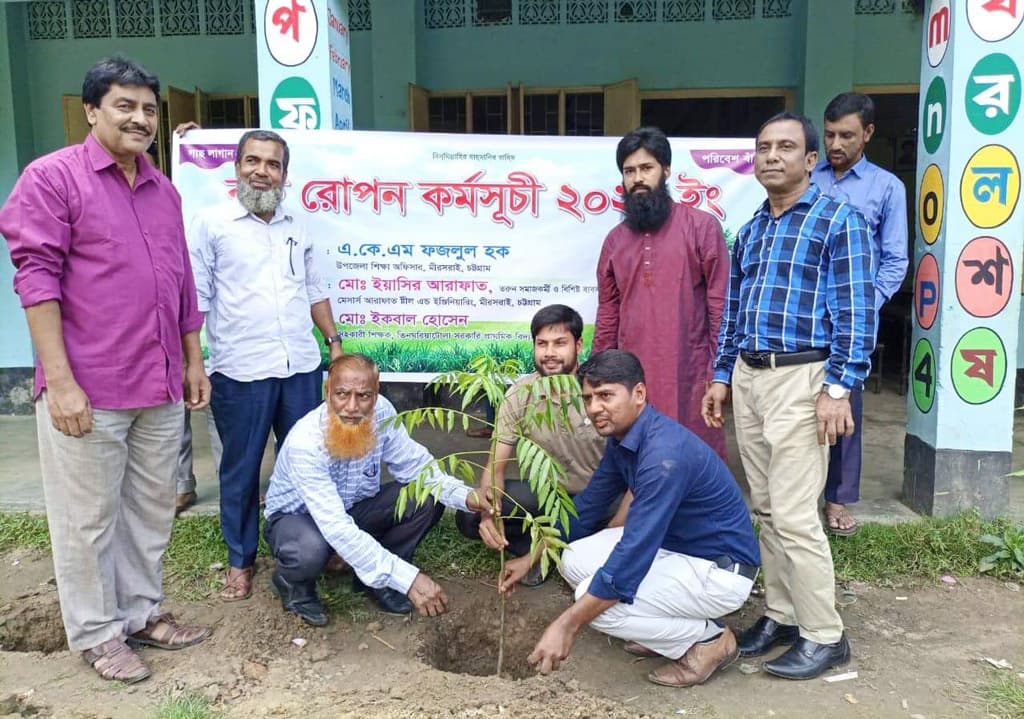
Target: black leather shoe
{"x": 300, "y": 599}
{"x": 807, "y": 659}
{"x": 765, "y": 634}
{"x": 389, "y": 600}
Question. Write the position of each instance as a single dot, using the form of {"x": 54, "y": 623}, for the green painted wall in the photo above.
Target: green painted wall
{"x": 15, "y": 123}
{"x": 806, "y": 52}
{"x": 214, "y": 64}
{"x": 659, "y": 55}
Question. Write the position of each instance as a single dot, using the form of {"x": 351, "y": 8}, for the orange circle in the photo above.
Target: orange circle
{"x": 984, "y": 276}
{"x": 926, "y": 291}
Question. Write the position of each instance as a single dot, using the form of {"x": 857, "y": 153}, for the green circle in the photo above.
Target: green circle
{"x": 976, "y": 380}
{"x": 922, "y": 375}
{"x": 294, "y": 105}
{"x": 934, "y": 114}
{"x": 993, "y": 114}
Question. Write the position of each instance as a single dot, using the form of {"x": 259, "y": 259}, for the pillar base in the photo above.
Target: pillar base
{"x": 945, "y": 482}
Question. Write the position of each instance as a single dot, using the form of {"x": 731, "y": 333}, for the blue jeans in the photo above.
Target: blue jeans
{"x": 244, "y": 413}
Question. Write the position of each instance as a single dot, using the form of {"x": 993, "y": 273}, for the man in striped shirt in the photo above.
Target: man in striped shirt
{"x": 326, "y": 496}
{"x": 801, "y": 320}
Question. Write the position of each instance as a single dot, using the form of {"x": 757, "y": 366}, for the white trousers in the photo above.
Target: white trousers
{"x": 673, "y": 602}
{"x": 109, "y": 505}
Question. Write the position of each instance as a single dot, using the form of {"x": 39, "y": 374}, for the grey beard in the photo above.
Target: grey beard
{"x": 256, "y": 201}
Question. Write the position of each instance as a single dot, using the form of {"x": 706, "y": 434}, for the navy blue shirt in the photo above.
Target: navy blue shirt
{"x": 685, "y": 500}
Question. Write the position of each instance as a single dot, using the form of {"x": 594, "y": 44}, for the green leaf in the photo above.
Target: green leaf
{"x": 992, "y": 539}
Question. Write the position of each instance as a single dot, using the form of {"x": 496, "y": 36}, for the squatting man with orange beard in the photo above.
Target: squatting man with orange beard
{"x": 326, "y": 496}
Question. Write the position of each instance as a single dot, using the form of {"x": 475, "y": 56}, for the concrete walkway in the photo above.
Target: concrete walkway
{"x": 885, "y": 418}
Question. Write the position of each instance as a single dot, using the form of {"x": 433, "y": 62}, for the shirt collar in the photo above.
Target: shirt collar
{"x": 809, "y": 197}
{"x": 858, "y": 169}
{"x": 100, "y": 159}
{"x": 280, "y": 213}
{"x": 632, "y": 439}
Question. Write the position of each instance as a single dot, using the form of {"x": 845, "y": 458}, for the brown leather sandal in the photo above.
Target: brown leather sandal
{"x": 163, "y": 632}
{"x": 114, "y": 660}
{"x": 238, "y": 585}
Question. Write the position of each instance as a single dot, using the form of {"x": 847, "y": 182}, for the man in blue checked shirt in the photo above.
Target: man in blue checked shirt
{"x": 796, "y": 339}
{"x": 326, "y": 496}
{"x": 847, "y": 175}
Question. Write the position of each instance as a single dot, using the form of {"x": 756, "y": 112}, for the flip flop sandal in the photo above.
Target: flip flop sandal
{"x": 114, "y": 660}
{"x": 238, "y": 585}
{"x": 841, "y": 531}
{"x": 163, "y": 632}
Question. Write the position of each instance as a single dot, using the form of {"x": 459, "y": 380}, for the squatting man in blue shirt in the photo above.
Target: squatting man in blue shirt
{"x": 686, "y": 555}
{"x": 326, "y": 496}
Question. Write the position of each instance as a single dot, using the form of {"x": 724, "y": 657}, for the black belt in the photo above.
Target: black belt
{"x": 744, "y": 570}
{"x": 771, "y": 360}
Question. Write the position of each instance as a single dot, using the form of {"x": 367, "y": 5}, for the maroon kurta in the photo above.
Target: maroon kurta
{"x": 660, "y": 296}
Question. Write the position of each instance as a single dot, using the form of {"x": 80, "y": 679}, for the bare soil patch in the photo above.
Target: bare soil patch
{"x": 916, "y": 651}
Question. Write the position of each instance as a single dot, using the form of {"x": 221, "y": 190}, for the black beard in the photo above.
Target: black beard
{"x": 647, "y": 211}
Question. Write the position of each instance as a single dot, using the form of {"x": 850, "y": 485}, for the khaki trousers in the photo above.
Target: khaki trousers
{"x": 109, "y": 505}
{"x": 776, "y": 429}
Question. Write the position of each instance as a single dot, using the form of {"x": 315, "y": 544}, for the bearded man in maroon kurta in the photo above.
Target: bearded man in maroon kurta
{"x": 662, "y": 281}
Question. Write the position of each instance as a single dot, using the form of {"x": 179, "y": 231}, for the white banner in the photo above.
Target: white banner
{"x": 437, "y": 248}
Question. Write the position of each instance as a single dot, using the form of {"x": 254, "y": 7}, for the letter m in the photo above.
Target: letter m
{"x": 938, "y": 27}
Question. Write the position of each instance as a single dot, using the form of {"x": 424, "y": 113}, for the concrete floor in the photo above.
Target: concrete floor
{"x": 881, "y": 483}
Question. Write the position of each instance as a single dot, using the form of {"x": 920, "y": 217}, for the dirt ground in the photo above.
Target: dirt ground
{"x": 916, "y": 652}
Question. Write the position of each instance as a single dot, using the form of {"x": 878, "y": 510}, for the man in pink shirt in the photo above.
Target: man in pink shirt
{"x": 102, "y": 269}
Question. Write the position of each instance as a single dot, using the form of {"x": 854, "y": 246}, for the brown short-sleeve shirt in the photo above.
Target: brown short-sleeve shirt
{"x": 578, "y": 449}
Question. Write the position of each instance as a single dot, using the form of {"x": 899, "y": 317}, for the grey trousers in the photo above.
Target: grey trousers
{"x": 109, "y": 505}
{"x": 186, "y": 477}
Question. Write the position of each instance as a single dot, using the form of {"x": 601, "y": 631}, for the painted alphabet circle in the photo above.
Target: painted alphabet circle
{"x": 978, "y": 366}
{"x": 290, "y": 28}
{"x": 994, "y": 20}
{"x": 984, "y": 277}
{"x": 937, "y": 31}
{"x": 926, "y": 291}
{"x": 931, "y": 202}
{"x": 992, "y": 95}
{"x": 990, "y": 186}
{"x": 922, "y": 375}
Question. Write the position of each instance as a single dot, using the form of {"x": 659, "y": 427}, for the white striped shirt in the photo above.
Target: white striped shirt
{"x": 307, "y": 480}
{"x": 255, "y": 282}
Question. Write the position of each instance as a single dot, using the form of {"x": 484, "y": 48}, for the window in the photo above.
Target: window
{"x": 490, "y": 114}
{"x": 710, "y": 116}
{"x": 447, "y": 114}
{"x": 584, "y": 113}
{"x": 492, "y": 12}
{"x": 540, "y": 113}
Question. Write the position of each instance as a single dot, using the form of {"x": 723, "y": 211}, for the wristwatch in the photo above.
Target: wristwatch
{"x": 332, "y": 340}
{"x": 837, "y": 391}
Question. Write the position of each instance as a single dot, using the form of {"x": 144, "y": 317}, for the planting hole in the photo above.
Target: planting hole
{"x": 465, "y": 641}
{"x": 32, "y": 624}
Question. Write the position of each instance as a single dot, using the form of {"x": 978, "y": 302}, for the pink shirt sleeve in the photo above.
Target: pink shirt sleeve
{"x": 35, "y": 220}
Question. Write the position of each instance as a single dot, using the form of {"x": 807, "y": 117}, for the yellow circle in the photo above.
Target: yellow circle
{"x": 931, "y": 200}
{"x": 990, "y": 186}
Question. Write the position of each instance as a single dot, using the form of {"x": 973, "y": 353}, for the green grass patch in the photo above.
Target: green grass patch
{"x": 1004, "y": 696}
{"x": 186, "y": 706}
{"x": 921, "y": 549}
{"x": 445, "y": 552}
{"x": 925, "y": 549}
{"x": 22, "y": 529}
